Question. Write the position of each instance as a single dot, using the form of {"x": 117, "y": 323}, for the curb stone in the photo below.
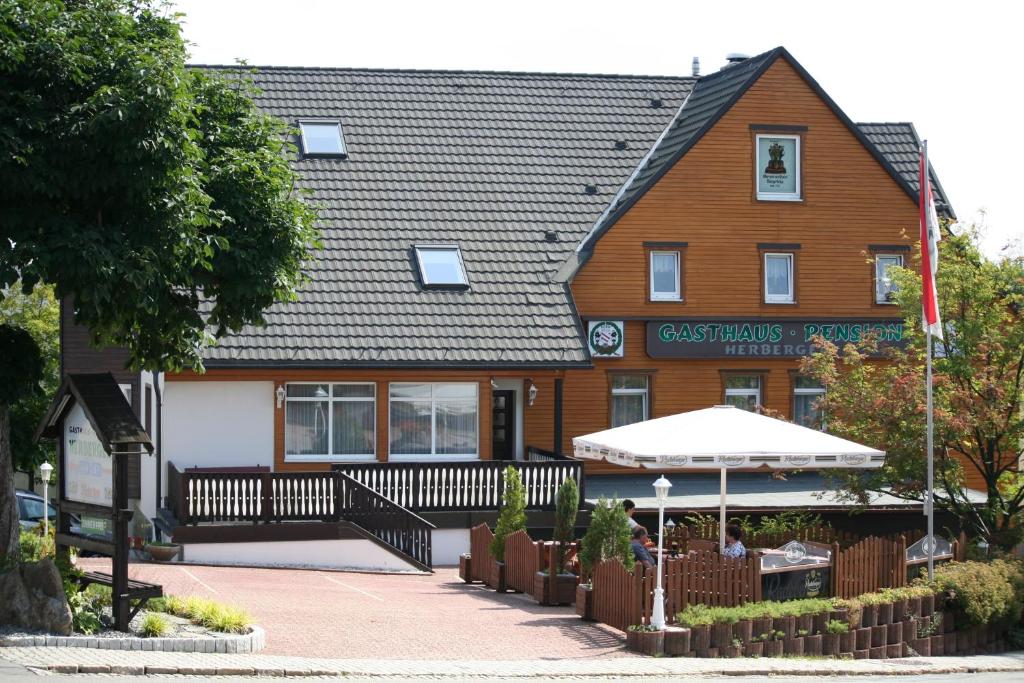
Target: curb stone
{"x": 246, "y": 643}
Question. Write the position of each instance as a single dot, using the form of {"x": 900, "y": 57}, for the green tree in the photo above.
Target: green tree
{"x": 607, "y": 536}
{"x": 155, "y": 199}
{"x": 39, "y": 314}
{"x": 978, "y": 374}
{"x": 512, "y": 517}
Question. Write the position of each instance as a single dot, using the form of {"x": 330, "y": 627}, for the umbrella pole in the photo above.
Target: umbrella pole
{"x": 721, "y": 513}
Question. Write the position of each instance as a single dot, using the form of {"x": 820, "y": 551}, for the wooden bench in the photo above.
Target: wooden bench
{"x": 137, "y": 590}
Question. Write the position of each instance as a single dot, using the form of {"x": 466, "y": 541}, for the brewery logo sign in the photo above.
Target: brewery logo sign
{"x": 605, "y": 338}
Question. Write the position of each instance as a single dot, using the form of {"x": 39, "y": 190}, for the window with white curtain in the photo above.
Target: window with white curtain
{"x": 743, "y": 391}
{"x": 330, "y": 421}
{"x": 434, "y": 420}
{"x": 630, "y": 399}
{"x": 807, "y": 391}
{"x": 885, "y": 288}
{"x": 778, "y": 278}
{"x": 665, "y": 276}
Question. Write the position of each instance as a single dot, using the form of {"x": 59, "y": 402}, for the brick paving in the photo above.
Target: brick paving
{"x": 310, "y": 613}
{"x": 82, "y": 660}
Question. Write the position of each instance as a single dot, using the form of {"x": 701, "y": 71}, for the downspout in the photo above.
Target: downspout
{"x": 158, "y": 390}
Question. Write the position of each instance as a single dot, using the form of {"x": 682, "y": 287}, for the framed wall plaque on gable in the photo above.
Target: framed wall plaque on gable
{"x": 778, "y": 167}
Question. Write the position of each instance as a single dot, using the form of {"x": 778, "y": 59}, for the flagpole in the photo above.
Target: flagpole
{"x": 930, "y": 497}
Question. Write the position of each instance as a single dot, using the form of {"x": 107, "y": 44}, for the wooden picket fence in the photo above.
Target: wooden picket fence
{"x": 685, "y": 535}
{"x": 705, "y": 578}
{"x": 869, "y": 565}
{"x": 618, "y": 594}
{"x": 480, "y": 538}
{"x": 523, "y": 559}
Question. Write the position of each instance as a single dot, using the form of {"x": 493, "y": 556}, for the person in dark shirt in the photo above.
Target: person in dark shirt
{"x": 639, "y": 546}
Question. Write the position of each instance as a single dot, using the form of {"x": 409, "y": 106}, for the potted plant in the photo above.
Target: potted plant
{"x": 698, "y": 618}
{"x": 812, "y": 643}
{"x": 554, "y": 585}
{"x": 677, "y": 641}
{"x": 773, "y": 644}
{"x": 607, "y": 537}
{"x": 732, "y": 650}
{"x": 162, "y": 552}
{"x": 754, "y": 647}
{"x": 645, "y": 639}
{"x": 831, "y": 637}
{"x": 511, "y": 519}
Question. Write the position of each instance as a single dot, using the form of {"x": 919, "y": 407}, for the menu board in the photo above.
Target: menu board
{"x": 88, "y": 470}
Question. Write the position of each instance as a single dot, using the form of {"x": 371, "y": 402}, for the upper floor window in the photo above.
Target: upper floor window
{"x": 807, "y": 391}
{"x": 885, "y": 288}
{"x": 665, "y": 276}
{"x": 441, "y": 266}
{"x": 743, "y": 391}
{"x": 778, "y": 167}
{"x": 778, "y": 279}
{"x": 630, "y": 399}
{"x": 322, "y": 139}
{"x": 330, "y": 421}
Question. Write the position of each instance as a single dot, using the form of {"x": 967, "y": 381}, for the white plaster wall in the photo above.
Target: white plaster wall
{"x": 358, "y": 554}
{"x": 211, "y": 424}
{"x": 515, "y": 385}
{"x": 447, "y": 544}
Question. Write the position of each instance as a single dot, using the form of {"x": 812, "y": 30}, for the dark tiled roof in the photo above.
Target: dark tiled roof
{"x": 490, "y": 161}
{"x": 900, "y": 143}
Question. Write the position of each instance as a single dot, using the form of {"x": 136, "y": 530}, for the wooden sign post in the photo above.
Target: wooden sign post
{"x": 99, "y": 437}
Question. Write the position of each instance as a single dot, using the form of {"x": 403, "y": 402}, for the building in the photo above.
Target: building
{"x": 510, "y": 260}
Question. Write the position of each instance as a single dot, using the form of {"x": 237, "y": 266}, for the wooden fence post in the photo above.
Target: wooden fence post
{"x": 835, "y": 570}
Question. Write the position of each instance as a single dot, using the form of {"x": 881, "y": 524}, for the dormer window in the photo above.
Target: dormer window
{"x": 322, "y": 138}
{"x": 441, "y": 266}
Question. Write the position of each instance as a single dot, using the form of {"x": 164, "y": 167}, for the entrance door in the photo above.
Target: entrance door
{"x": 503, "y": 425}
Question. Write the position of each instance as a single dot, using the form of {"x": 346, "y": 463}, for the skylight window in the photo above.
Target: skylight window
{"x": 322, "y": 138}
{"x": 441, "y": 266}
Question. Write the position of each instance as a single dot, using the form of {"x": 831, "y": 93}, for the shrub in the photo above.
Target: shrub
{"x": 984, "y": 592}
{"x": 696, "y": 615}
{"x": 213, "y": 615}
{"x": 154, "y": 625}
{"x": 607, "y": 536}
{"x": 512, "y": 517}
{"x": 567, "y": 505}
{"x": 836, "y": 626}
{"x": 35, "y": 545}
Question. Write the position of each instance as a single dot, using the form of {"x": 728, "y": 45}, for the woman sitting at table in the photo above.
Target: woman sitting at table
{"x": 733, "y": 546}
{"x": 639, "y": 546}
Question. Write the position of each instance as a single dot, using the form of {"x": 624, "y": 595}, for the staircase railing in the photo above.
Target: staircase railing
{"x": 393, "y": 524}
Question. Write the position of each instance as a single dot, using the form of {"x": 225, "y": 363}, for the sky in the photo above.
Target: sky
{"x": 949, "y": 67}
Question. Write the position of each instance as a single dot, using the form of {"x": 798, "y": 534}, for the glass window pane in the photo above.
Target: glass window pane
{"x": 777, "y": 280}
{"x": 885, "y": 288}
{"x": 664, "y": 274}
{"x": 31, "y": 509}
{"x": 306, "y": 428}
{"x": 308, "y": 391}
{"x": 742, "y": 382}
{"x": 322, "y": 138}
{"x": 441, "y": 266}
{"x": 455, "y": 391}
{"x": 456, "y": 428}
{"x": 353, "y": 391}
{"x": 629, "y": 382}
{"x": 410, "y": 391}
{"x": 410, "y": 427}
{"x": 805, "y": 411}
{"x": 628, "y": 408}
{"x": 353, "y": 428}
{"x": 744, "y": 401}
{"x": 805, "y": 382}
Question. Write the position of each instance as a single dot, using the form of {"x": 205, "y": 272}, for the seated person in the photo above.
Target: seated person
{"x": 630, "y": 507}
{"x": 639, "y": 545}
{"x": 733, "y": 546}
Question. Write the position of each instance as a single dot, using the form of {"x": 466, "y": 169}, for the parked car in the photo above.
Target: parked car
{"x": 30, "y": 511}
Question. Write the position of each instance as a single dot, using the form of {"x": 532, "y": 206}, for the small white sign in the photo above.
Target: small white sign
{"x": 606, "y": 338}
{"x": 88, "y": 470}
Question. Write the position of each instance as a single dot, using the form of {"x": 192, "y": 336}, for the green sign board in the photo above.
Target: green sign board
{"x": 761, "y": 338}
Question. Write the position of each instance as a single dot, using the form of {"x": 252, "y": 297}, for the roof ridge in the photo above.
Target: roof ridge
{"x": 454, "y": 72}
{"x": 884, "y": 123}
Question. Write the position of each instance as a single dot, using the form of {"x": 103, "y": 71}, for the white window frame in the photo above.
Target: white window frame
{"x": 808, "y": 391}
{"x": 330, "y": 398}
{"x": 778, "y": 196}
{"x": 322, "y": 122}
{"x": 745, "y": 391}
{"x": 676, "y": 294}
{"x": 788, "y": 298}
{"x": 879, "y": 258}
{"x": 441, "y": 247}
{"x": 433, "y": 456}
{"x": 645, "y": 392}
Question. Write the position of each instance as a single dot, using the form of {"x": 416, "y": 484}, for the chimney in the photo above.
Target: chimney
{"x": 696, "y": 66}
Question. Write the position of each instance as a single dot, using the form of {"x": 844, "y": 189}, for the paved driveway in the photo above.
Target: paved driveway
{"x": 311, "y": 613}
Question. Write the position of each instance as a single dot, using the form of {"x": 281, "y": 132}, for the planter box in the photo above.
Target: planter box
{"x": 863, "y": 638}
{"x": 793, "y": 646}
{"x": 772, "y": 648}
{"x": 721, "y": 635}
{"x": 465, "y": 568}
{"x": 848, "y": 642}
{"x": 677, "y": 641}
{"x": 820, "y": 623}
{"x": 877, "y": 652}
{"x": 163, "y": 553}
{"x": 652, "y": 642}
{"x": 914, "y": 607}
{"x": 885, "y": 613}
{"x": 496, "y": 578}
{"x": 894, "y": 633}
{"x": 830, "y": 644}
{"x": 869, "y": 616}
{"x": 922, "y": 646}
{"x": 700, "y": 638}
{"x": 927, "y": 605}
{"x": 899, "y": 610}
{"x": 938, "y": 645}
{"x": 753, "y": 649}
{"x": 894, "y": 651}
{"x": 842, "y": 615}
{"x": 949, "y": 643}
{"x": 861, "y": 654}
{"x": 707, "y": 653}
{"x": 948, "y": 622}
{"x": 812, "y": 646}
{"x": 585, "y": 602}
{"x": 564, "y": 593}
{"x": 762, "y": 625}
{"x": 730, "y": 652}
{"x": 743, "y": 629}
{"x": 879, "y": 636}
{"x": 785, "y": 624}
{"x": 805, "y": 622}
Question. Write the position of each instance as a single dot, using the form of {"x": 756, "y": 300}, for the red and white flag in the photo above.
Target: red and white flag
{"x": 929, "y": 251}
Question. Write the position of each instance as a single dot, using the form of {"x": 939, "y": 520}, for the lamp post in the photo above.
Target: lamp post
{"x": 661, "y": 488}
{"x": 44, "y": 473}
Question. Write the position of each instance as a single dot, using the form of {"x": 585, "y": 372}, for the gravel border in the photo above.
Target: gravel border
{"x": 228, "y": 643}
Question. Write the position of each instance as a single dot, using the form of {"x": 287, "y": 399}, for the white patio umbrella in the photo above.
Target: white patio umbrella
{"x": 724, "y": 438}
